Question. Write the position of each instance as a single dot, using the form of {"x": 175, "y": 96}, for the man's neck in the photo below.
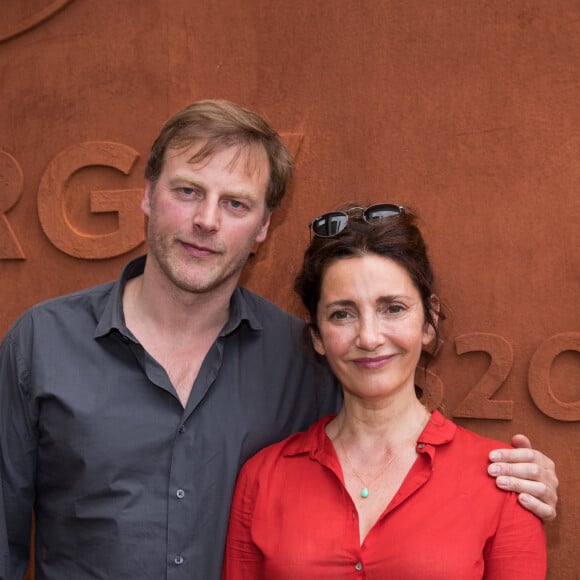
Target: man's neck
{"x": 176, "y": 328}
{"x": 168, "y": 309}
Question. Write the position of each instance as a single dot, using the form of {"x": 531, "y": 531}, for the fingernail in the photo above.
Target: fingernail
{"x": 502, "y": 481}
{"x": 494, "y": 469}
{"x": 495, "y": 455}
{"x": 524, "y": 498}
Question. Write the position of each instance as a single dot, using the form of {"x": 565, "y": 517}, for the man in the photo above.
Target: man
{"x": 127, "y": 409}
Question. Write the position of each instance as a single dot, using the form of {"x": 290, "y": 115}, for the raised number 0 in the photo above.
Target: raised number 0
{"x": 539, "y": 377}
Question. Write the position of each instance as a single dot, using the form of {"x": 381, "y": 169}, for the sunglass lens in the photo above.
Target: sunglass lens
{"x": 329, "y": 224}
{"x": 376, "y": 213}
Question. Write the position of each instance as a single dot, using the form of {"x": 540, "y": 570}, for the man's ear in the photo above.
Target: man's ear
{"x": 316, "y": 340}
{"x": 263, "y": 231}
{"x": 146, "y": 201}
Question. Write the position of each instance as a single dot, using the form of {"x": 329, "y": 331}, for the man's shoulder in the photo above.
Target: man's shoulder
{"x": 266, "y": 311}
{"x": 66, "y": 309}
{"x": 92, "y": 296}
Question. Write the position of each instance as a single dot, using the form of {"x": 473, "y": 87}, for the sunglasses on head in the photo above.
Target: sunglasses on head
{"x": 332, "y": 223}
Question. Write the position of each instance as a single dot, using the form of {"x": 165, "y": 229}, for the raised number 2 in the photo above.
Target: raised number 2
{"x": 478, "y": 404}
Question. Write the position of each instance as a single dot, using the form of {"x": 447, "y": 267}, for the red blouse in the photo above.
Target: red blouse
{"x": 292, "y": 517}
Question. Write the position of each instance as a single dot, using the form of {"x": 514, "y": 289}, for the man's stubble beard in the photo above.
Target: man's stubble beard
{"x": 209, "y": 277}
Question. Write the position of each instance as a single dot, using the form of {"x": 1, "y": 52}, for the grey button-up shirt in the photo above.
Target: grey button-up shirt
{"x": 125, "y": 483}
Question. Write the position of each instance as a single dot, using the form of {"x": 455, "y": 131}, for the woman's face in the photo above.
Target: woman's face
{"x": 372, "y": 326}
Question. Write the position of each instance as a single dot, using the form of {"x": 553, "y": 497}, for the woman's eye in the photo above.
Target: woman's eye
{"x": 339, "y": 315}
{"x": 395, "y": 308}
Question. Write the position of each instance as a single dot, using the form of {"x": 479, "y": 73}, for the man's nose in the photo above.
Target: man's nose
{"x": 206, "y": 216}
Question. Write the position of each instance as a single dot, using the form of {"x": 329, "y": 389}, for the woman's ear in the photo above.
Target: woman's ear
{"x": 316, "y": 340}
{"x": 435, "y": 308}
{"x": 429, "y": 332}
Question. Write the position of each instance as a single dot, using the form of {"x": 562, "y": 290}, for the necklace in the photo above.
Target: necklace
{"x": 364, "y": 492}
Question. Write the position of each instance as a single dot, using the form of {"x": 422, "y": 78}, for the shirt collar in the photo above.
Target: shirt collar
{"x": 112, "y": 318}
{"x": 242, "y": 310}
{"x": 437, "y": 431}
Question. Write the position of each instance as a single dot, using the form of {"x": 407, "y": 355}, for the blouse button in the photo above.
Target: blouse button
{"x": 358, "y": 566}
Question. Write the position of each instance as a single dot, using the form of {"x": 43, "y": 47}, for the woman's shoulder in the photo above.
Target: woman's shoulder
{"x": 478, "y": 443}
{"x": 297, "y": 444}
{"x": 442, "y": 430}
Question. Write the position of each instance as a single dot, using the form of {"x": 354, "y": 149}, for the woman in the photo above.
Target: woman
{"x": 385, "y": 489}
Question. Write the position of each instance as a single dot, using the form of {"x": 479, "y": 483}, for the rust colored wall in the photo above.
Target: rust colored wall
{"x": 466, "y": 111}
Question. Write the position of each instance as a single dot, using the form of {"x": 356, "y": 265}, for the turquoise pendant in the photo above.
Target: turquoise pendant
{"x": 364, "y": 492}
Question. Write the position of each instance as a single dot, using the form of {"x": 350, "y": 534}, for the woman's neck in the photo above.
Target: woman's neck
{"x": 387, "y": 428}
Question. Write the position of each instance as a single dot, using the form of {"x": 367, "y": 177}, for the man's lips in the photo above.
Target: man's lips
{"x": 198, "y": 250}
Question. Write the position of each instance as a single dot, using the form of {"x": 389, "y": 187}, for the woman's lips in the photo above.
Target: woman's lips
{"x": 374, "y": 361}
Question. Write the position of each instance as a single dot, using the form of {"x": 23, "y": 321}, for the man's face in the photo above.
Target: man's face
{"x": 205, "y": 217}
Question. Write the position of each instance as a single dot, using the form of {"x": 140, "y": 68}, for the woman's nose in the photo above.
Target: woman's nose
{"x": 370, "y": 334}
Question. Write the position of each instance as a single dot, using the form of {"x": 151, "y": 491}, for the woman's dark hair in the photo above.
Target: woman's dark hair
{"x": 395, "y": 237}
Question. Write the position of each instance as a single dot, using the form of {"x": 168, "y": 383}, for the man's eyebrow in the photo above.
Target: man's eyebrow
{"x": 186, "y": 178}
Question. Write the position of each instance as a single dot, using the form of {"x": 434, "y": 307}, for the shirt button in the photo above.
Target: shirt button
{"x": 180, "y": 493}
{"x": 358, "y": 566}
{"x": 178, "y": 559}
{"x": 420, "y": 445}
{"x": 182, "y": 428}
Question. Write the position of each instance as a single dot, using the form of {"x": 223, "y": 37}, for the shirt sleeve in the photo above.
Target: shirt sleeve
{"x": 242, "y": 560}
{"x": 17, "y": 462}
{"x": 518, "y": 549}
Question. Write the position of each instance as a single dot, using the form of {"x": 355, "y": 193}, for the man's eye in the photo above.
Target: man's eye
{"x": 186, "y": 190}
{"x": 236, "y": 204}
